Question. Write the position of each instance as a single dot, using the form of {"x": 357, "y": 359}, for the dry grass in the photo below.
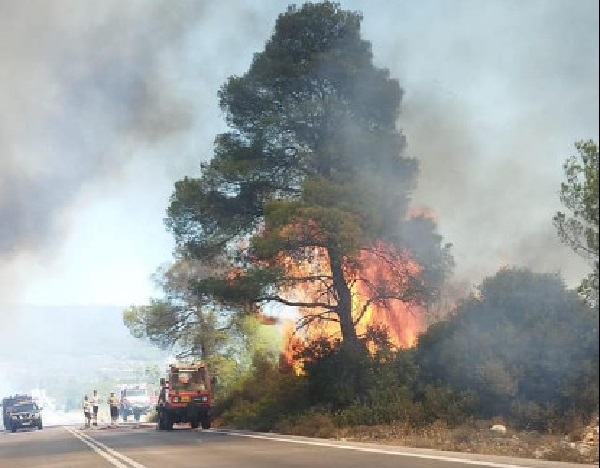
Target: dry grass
{"x": 474, "y": 438}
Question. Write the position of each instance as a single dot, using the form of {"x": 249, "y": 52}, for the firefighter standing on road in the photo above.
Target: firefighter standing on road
{"x": 94, "y": 401}
{"x": 113, "y": 403}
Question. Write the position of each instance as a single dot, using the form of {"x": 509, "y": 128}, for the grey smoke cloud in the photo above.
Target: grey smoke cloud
{"x": 78, "y": 81}
{"x": 90, "y": 89}
{"x": 496, "y": 95}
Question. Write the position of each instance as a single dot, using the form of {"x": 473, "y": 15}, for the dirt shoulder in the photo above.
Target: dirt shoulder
{"x": 482, "y": 441}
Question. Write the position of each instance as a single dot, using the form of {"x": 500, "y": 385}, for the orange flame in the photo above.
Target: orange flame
{"x": 421, "y": 213}
{"x": 378, "y": 282}
{"x": 387, "y": 273}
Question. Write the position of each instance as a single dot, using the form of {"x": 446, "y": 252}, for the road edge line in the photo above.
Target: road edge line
{"x": 317, "y": 443}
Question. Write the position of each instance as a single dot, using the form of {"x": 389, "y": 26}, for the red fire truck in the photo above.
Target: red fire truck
{"x": 185, "y": 396}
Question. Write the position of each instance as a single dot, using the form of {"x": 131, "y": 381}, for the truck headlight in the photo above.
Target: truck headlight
{"x": 175, "y": 399}
{"x": 14, "y": 416}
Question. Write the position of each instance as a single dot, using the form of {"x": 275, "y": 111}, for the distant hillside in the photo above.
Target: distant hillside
{"x": 41, "y": 343}
{"x": 70, "y": 329}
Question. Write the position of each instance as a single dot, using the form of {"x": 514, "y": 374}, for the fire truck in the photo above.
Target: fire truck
{"x": 185, "y": 396}
{"x": 135, "y": 401}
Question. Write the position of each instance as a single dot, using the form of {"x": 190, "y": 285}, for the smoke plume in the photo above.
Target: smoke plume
{"x": 90, "y": 90}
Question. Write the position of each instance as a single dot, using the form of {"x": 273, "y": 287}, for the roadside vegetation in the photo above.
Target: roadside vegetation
{"x": 523, "y": 353}
{"x": 305, "y": 206}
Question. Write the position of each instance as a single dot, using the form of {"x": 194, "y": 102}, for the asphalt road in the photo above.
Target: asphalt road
{"x": 128, "y": 447}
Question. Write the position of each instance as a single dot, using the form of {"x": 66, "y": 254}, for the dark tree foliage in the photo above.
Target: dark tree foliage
{"x": 339, "y": 377}
{"x": 311, "y": 172}
{"x": 525, "y": 345}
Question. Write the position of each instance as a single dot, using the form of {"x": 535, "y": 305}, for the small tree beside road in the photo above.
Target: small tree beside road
{"x": 578, "y": 228}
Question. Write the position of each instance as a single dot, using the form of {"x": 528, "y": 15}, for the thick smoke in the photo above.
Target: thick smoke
{"x": 78, "y": 84}
{"x": 90, "y": 89}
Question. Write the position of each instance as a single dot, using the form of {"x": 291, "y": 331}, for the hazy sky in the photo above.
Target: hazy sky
{"x": 104, "y": 105}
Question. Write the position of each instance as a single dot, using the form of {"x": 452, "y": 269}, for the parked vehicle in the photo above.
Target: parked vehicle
{"x": 24, "y": 414}
{"x": 8, "y": 403}
{"x": 135, "y": 401}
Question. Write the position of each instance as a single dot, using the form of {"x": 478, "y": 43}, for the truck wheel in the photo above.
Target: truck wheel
{"x": 194, "y": 423}
{"x": 205, "y": 421}
{"x": 40, "y": 425}
{"x": 168, "y": 423}
{"x": 13, "y": 428}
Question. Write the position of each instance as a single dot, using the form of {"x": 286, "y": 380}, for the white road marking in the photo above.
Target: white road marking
{"x": 317, "y": 443}
{"x": 104, "y": 451}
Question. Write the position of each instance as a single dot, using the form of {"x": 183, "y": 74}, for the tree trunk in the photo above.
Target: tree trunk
{"x": 344, "y": 296}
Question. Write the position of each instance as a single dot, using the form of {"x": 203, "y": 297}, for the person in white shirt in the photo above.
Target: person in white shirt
{"x": 95, "y": 401}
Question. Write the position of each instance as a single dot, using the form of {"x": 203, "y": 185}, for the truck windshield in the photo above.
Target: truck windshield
{"x": 191, "y": 381}
{"x": 24, "y": 408}
{"x": 131, "y": 392}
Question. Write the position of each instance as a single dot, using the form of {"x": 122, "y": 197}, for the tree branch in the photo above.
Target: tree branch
{"x": 305, "y": 305}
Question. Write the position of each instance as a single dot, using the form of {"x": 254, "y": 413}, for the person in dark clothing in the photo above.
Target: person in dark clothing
{"x": 113, "y": 403}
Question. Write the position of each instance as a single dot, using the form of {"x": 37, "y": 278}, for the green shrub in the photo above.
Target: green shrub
{"x": 315, "y": 423}
{"x": 263, "y": 398}
{"x": 443, "y": 403}
{"x": 525, "y": 338}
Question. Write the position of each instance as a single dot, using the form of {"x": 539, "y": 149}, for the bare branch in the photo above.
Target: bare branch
{"x": 306, "y": 305}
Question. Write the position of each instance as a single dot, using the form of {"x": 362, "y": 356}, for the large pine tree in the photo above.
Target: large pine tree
{"x": 310, "y": 182}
